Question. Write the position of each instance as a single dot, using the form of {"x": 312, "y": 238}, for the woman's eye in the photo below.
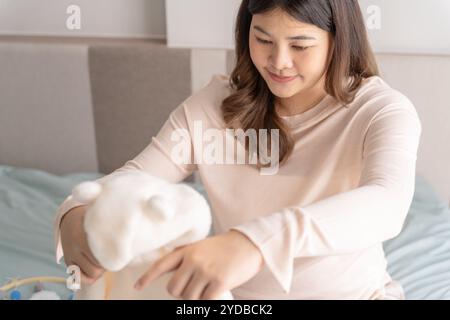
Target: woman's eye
{"x": 298, "y": 48}
{"x": 263, "y": 41}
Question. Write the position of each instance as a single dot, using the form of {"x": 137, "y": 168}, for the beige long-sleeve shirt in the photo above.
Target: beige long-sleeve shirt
{"x": 320, "y": 220}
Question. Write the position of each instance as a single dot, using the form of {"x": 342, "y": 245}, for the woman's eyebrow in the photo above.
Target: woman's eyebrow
{"x": 289, "y": 38}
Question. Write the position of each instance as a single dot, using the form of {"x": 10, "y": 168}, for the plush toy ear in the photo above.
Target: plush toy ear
{"x": 87, "y": 192}
{"x": 160, "y": 207}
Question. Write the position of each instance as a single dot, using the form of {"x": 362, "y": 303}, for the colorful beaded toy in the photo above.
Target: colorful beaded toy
{"x": 39, "y": 291}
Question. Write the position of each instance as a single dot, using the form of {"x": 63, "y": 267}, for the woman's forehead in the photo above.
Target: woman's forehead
{"x": 281, "y": 22}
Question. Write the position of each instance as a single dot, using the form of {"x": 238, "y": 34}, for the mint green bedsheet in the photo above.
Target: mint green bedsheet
{"x": 419, "y": 258}
{"x": 28, "y": 202}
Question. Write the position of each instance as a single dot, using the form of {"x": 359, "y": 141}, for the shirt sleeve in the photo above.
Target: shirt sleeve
{"x": 351, "y": 221}
{"x": 156, "y": 159}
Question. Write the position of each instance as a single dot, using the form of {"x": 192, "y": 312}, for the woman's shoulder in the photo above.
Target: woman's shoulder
{"x": 375, "y": 94}
{"x": 380, "y": 106}
{"x": 215, "y": 90}
{"x": 209, "y": 97}
{"x": 205, "y": 103}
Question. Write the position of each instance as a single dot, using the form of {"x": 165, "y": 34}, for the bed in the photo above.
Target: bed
{"x": 28, "y": 202}
{"x": 419, "y": 258}
{"x": 68, "y": 129}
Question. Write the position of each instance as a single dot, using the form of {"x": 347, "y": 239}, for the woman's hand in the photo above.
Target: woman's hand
{"x": 75, "y": 246}
{"x": 208, "y": 268}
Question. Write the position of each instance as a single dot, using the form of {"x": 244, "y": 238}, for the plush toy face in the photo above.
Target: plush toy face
{"x": 133, "y": 214}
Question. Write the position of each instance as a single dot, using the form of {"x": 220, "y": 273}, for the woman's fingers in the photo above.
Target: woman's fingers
{"x": 90, "y": 272}
{"x": 87, "y": 250}
{"x": 213, "y": 291}
{"x": 168, "y": 263}
{"x": 86, "y": 280}
{"x": 92, "y": 260}
{"x": 179, "y": 281}
{"x": 193, "y": 290}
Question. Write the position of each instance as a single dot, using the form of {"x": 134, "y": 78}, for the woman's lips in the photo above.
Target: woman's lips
{"x": 281, "y": 79}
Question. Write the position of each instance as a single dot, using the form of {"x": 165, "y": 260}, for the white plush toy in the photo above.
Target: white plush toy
{"x": 132, "y": 220}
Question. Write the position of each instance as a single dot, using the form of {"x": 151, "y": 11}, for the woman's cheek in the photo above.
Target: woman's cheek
{"x": 313, "y": 66}
{"x": 256, "y": 59}
{"x": 258, "y": 56}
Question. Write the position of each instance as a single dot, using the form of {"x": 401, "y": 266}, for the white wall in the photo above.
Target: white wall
{"x": 411, "y": 26}
{"x": 406, "y": 26}
{"x": 99, "y": 18}
{"x": 201, "y": 23}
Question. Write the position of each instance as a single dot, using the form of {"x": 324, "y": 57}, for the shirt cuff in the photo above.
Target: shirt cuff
{"x": 270, "y": 235}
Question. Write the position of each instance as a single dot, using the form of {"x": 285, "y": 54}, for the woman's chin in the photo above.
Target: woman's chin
{"x": 284, "y": 92}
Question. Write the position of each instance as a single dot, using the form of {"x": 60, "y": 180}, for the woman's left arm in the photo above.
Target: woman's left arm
{"x": 341, "y": 224}
{"x": 207, "y": 268}
{"x": 354, "y": 220}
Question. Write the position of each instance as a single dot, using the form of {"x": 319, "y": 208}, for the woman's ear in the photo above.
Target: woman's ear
{"x": 159, "y": 207}
{"x": 86, "y": 192}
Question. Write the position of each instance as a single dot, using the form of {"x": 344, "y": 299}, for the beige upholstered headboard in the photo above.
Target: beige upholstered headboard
{"x": 69, "y": 105}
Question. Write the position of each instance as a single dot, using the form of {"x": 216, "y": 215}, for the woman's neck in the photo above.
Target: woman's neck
{"x": 301, "y": 102}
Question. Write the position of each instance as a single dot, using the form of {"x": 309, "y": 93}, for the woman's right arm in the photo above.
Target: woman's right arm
{"x": 155, "y": 159}
{"x": 74, "y": 245}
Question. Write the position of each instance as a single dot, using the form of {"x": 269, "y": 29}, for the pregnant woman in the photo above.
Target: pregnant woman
{"x": 345, "y": 144}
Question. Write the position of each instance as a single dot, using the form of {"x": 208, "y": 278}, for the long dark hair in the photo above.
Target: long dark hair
{"x": 252, "y": 105}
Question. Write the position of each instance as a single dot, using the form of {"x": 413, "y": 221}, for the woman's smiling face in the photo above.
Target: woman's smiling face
{"x": 281, "y": 45}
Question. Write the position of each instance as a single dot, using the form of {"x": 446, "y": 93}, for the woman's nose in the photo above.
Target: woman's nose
{"x": 281, "y": 59}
